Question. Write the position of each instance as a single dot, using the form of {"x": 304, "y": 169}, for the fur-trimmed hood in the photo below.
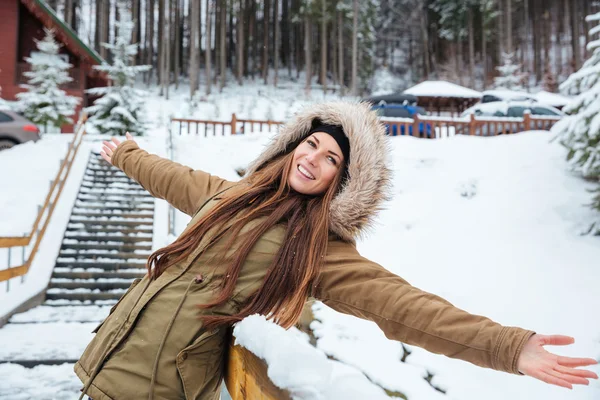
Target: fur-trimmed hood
{"x": 355, "y": 206}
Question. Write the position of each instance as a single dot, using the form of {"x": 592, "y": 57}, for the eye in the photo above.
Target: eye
{"x": 332, "y": 160}
{"x": 311, "y": 143}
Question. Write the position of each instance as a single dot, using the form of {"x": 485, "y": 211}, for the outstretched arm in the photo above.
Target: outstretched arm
{"x": 352, "y": 284}
{"x": 182, "y": 187}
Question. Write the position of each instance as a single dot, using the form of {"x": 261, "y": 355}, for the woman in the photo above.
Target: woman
{"x": 263, "y": 245}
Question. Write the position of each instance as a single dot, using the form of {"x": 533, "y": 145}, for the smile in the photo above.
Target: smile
{"x": 305, "y": 172}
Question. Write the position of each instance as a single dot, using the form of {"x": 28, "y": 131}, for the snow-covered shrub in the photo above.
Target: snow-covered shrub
{"x": 44, "y": 103}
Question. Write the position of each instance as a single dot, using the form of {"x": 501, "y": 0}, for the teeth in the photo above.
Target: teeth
{"x": 305, "y": 172}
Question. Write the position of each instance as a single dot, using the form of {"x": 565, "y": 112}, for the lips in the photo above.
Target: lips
{"x": 306, "y": 173}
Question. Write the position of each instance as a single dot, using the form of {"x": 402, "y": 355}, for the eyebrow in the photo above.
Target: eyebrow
{"x": 335, "y": 154}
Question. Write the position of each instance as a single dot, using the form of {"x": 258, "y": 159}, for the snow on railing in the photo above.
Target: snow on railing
{"x": 268, "y": 362}
{"x": 45, "y": 210}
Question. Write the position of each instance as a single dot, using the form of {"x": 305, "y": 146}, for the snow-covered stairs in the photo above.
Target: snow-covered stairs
{"x": 105, "y": 246}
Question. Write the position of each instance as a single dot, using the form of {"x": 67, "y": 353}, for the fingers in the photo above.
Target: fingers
{"x": 105, "y": 156}
{"x": 583, "y": 373}
{"x": 557, "y": 340}
{"x": 128, "y": 136}
{"x": 574, "y": 380}
{"x": 116, "y": 141}
{"x": 107, "y": 149}
{"x": 553, "y": 380}
{"x": 575, "y": 362}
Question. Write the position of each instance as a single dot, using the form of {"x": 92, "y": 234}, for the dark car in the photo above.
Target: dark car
{"x": 402, "y": 111}
{"x": 15, "y": 129}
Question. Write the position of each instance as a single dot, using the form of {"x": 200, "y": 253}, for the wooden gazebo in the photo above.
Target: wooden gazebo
{"x": 439, "y": 97}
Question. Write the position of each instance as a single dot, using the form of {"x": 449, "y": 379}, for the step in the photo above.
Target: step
{"x": 107, "y": 206}
{"x": 115, "y": 213}
{"x": 83, "y": 296}
{"x": 115, "y": 191}
{"x": 46, "y": 314}
{"x": 98, "y": 179}
{"x": 97, "y": 275}
{"x": 111, "y": 185}
{"x": 115, "y": 223}
{"x": 124, "y": 239}
{"x": 108, "y": 229}
{"x": 35, "y": 363}
{"x": 99, "y": 246}
{"x": 121, "y": 196}
{"x": 100, "y": 265}
{"x": 60, "y": 283}
{"x": 78, "y": 303}
{"x": 92, "y": 256}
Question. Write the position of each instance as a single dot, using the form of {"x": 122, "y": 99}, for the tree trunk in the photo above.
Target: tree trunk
{"x": 575, "y": 23}
{"x": 135, "y": 35}
{"x": 276, "y": 46}
{"x": 425, "y": 39}
{"x": 340, "y": 25}
{"x": 308, "y": 53}
{"x": 285, "y": 34}
{"x": 161, "y": 47}
{"x": 239, "y": 46}
{"x": 194, "y": 45}
{"x": 68, "y": 13}
{"x": 253, "y": 35}
{"x": 353, "y": 78}
{"x": 222, "y": 39}
{"x": 265, "y": 58}
{"x": 526, "y": 44}
{"x": 177, "y": 34}
{"x": 323, "y": 77}
{"x": 471, "y": 47}
{"x": 509, "y": 31}
{"x": 208, "y": 36}
{"x": 97, "y": 28}
{"x": 105, "y": 28}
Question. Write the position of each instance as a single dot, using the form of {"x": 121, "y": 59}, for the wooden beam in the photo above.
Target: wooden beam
{"x": 14, "y": 241}
{"x": 13, "y": 272}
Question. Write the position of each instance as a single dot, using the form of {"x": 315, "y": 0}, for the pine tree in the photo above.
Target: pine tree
{"x": 510, "y": 74}
{"x": 579, "y": 132}
{"x": 120, "y": 109}
{"x": 44, "y": 103}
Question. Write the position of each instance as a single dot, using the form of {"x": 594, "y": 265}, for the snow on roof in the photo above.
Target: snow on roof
{"x": 506, "y": 94}
{"x": 552, "y": 99}
{"x": 441, "y": 89}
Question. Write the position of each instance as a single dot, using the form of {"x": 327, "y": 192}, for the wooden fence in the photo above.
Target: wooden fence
{"x": 37, "y": 232}
{"x": 438, "y": 127}
{"x": 220, "y": 128}
{"x": 428, "y": 127}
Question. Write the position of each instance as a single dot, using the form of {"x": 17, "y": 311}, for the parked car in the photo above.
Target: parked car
{"x": 490, "y": 96}
{"x": 512, "y": 109}
{"x": 402, "y": 111}
{"x": 15, "y": 129}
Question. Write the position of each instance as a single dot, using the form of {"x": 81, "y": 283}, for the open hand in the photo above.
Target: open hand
{"x": 538, "y": 363}
{"x": 109, "y": 146}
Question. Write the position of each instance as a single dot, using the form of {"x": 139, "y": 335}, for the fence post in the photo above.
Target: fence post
{"x": 415, "y": 129}
{"x": 527, "y": 120}
{"x": 472, "y": 125}
{"x": 233, "y": 124}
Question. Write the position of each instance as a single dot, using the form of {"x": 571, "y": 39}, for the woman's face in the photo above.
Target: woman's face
{"x": 316, "y": 162}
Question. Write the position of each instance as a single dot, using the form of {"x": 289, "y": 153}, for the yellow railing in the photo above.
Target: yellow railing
{"x": 246, "y": 377}
{"x": 36, "y": 235}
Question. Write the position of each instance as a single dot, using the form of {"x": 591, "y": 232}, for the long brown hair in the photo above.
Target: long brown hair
{"x": 294, "y": 270}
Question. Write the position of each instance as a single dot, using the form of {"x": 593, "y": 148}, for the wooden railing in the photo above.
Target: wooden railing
{"x": 215, "y": 128}
{"x": 438, "y": 127}
{"x": 37, "y": 233}
{"x": 421, "y": 126}
{"x": 246, "y": 377}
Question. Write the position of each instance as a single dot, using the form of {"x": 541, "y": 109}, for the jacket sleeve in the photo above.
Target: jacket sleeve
{"x": 182, "y": 187}
{"x": 352, "y": 284}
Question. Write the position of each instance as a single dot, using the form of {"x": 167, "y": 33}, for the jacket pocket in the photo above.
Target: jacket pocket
{"x": 112, "y": 309}
{"x": 200, "y": 364}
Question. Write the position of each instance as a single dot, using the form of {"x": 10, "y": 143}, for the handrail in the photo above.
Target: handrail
{"x": 233, "y": 125}
{"x": 9, "y": 242}
{"x": 246, "y": 377}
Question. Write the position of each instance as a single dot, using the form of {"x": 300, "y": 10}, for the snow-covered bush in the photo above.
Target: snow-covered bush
{"x": 579, "y": 132}
{"x": 44, "y": 103}
{"x": 121, "y": 107}
{"x": 510, "y": 74}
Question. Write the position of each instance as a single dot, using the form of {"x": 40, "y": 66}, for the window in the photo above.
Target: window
{"x": 5, "y": 117}
{"x": 488, "y": 98}
{"x": 396, "y": 112}
{"x": 515, "y": 111}
{"x": 542, "y": 111}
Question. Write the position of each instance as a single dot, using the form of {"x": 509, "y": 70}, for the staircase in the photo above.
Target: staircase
{"x": 105, "y": 246}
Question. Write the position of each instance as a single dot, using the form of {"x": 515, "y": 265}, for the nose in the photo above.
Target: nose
{"x": 311, "y": 158}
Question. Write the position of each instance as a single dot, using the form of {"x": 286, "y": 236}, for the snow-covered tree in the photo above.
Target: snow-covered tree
{"x": 44, "y": 103}
{"x": 579, "y": 132}
{"x": 510, "y": 74}
{"x": 121, "y": 107}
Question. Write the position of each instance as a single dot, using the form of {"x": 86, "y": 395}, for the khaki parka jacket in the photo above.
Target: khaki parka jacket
{"x": 153, "y": 345}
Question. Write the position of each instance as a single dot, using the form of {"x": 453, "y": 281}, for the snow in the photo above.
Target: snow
{"x": 313, "y": 376}
{"x": 552, "y": 99}
{"x": 510, "y": 95}
{"x": 442, "y": 89}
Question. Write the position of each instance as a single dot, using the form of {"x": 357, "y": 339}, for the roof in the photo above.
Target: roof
{"x": 442, "y": 89}
{"x": 64, "y": 33}
{"x": 398, "y": 98}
